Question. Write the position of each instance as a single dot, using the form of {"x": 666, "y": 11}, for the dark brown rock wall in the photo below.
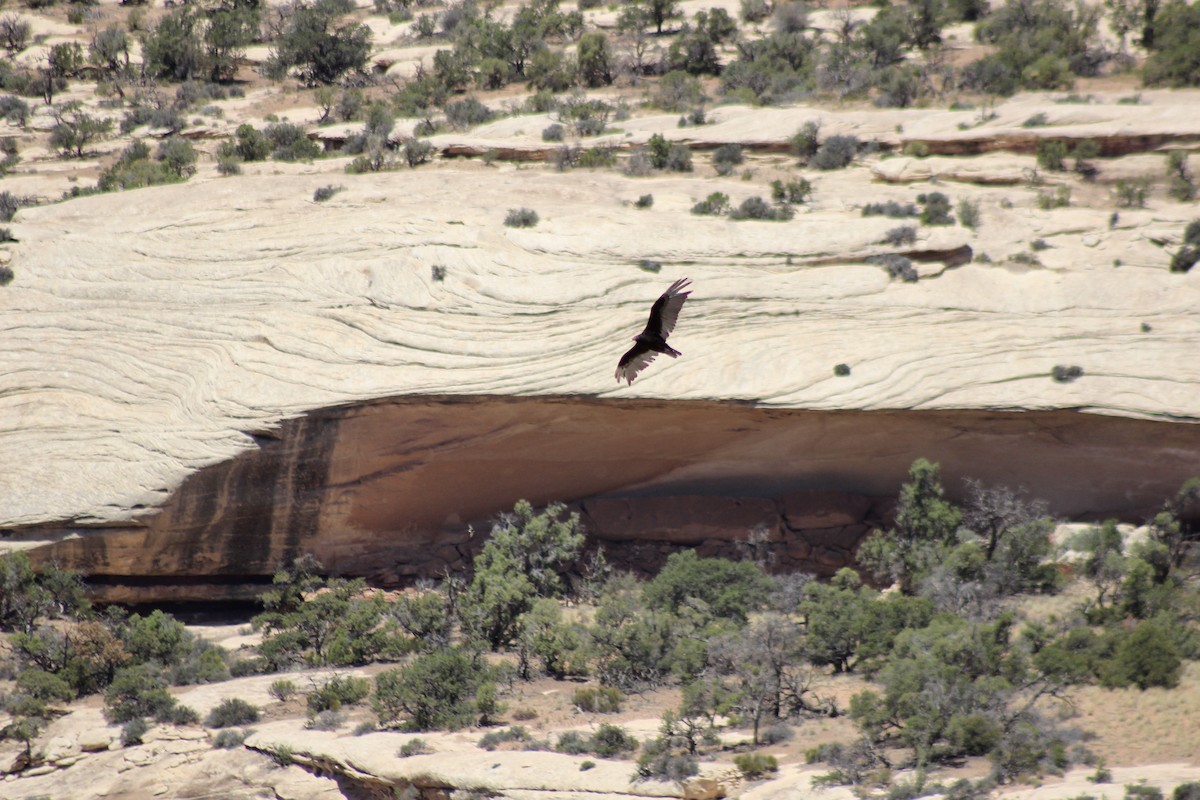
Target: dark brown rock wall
{"x": 390, "y": 489}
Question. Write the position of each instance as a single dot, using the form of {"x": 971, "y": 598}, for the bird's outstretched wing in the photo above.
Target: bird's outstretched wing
{"x": 634, "y": 361}
{"x": 665, "y": 311}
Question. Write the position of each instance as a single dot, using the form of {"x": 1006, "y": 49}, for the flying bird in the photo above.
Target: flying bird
{"x": 653, "y": 340}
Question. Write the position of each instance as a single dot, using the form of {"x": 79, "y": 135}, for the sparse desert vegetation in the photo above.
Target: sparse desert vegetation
{"x": 970, "y": 646}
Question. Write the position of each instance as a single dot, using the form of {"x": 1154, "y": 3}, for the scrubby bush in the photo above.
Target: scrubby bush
{"x": 792, "y": 192}
{"x": 716, "y": 204}
{"x": 890, "y": 209}
{"x": 417, "y": 151}
{"x": 755, "y": 765}
{"x": 282, "y": 690}
{"x": 553, "y": 133}
{"x": 228, "y": 739}
{"x": 326, "y": 721}
{"x": 836, "y": 152}
{"x": 1174, "y": 56}
{"x": 679, "y": 159}
{"x": 319, "y": 45}
{"x": 1189, "y": 254}
{"x": 290, "y": 142}
{"x": 728, "y": 589}
{"x": 232, "y": 712}
{"x": 521, "y": 218}
{"x": 137, "y": 691}
{"x": 516, "y": 733}
{"x": 597, "y": 699}
{"x": 1182, "y": 186}
{"x": 1063, "y": 373}
{"x": 968, "y": 213}
{"x": 1052, "y": 154}
{"x": 447, "y": 689}
{"x": 323, "y": 193}
{"x": 1145, "y": 657}
{"x": 726, "y": 158}
{"x": 336, "y": 692}
{"x": 414, "y": 747}
{"x": 757, "y": 208}
{"x": 897, "y": 266}
{"x": 467, "y": 113}
{"x": 644, "y": 201}
{"x": 935, "y": 209}
{"x": 901, "y": 235}
{"x": 133, "y": 731}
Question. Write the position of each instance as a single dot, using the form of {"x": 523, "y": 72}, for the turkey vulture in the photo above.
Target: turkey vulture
{"x": 653, "y": 340}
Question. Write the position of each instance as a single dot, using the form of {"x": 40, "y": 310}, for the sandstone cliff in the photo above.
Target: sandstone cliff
{"x": 202, "y": 380}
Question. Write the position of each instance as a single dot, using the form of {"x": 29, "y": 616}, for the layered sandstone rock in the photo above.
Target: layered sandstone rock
{"x": 202, "y": 381}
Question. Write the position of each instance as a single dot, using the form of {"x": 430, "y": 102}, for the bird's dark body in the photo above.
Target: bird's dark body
{"x": 656, "y": 343}
{"x": 653, "y": 340}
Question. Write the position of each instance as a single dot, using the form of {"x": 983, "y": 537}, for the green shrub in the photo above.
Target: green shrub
{"x": 338, "y": 691}
{"x": 553, "y": 133}
{"x": 445, "y": 689}
{"x": 1187, "y": 791}
{"x": 792, "y": 192}
{"x": 716, "y": 204}
{"x": 1182, "y": 186}
{"x": 521, "y": 218}
{"x": 137, "y": 691}
{"x": 1038, "y": 120}
{"x": 841, "y": 370}
{"x": 679, "y": 158}
{"x": 417, "y": 151}
{"x": 491, "y": 740}
{"x": 1052, "y": 154}
{"x": 1131, "y": 193}
{"x": 935, "y": 209}
{"x": 755, "y": 765}
{"x": 890, "y": 209}
{"x": 323, "y": 193}
{"x": 1139, "y": 791}
{"x": 413, "y": 747}
{"x": 729, "y": 589}
{"x": 282, "y": 690}
{"x": 133, "y": 731}
{"x": 319, "y": 44}
{"x": 645, "y": 201}
{"x": 44, "y": 686}
{"x": 1145, "y": 657}
{"x": 289, "y": 142}
{"x": 180, "y": 714}
{"x": 726, "y": 158}
{"x": 228, "y": 739}
{"x": 467, "y": 113}
{"x": 659, "y": 761}
{"x": 610, "y": 741}
{"x": 1174, "y": 53}
{"x": 757, "y": 208}
{"x": 1189, "y": 254}
{"x": 232, "y": 712}
{"x": 968, "y": 213}
{"x": 1066, "y": 374}
{"x": 806, "y": 141}
{"x": 597, "y": 699}
{"x": 901, "y": 235}
{"x": 836, "y": 152}
{"x": 597, "y": 157}
{"x": 326, "y": 721}
{"x": 897, "y": 266}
